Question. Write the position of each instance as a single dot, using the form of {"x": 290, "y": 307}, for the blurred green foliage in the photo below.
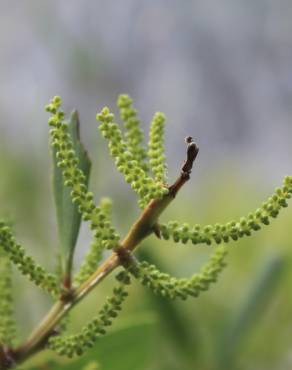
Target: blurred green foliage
{"x": 243, "y": 322}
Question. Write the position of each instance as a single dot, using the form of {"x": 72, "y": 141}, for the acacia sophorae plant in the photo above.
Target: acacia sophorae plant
{"x": 144, "y": 169}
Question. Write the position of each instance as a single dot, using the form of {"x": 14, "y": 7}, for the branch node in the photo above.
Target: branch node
{"x": 125, "y": 256}
{"x": 68, "y": 295}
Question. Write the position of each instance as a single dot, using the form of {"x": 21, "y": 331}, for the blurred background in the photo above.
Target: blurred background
{"x": 221, "y": 72}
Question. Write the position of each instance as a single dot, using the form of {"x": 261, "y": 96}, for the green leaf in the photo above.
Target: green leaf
{"x": 68, "y": 217}
{"x": 248, "y": 315}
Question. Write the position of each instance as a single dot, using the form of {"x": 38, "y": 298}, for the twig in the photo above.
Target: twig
{"x": 145, "y": 225}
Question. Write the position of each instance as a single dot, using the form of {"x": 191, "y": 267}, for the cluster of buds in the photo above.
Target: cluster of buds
{"x": 126, "y": 162}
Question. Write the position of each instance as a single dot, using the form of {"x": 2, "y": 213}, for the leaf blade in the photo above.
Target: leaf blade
{"x": 68, "y": 216}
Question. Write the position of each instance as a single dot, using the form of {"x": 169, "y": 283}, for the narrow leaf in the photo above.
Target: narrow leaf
{"x": 259, "y": 297}
{"x": 68, "y": 217}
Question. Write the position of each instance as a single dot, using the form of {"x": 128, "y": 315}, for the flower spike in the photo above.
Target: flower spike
{"x": 25, "y": 264}
{"x": 134, "y": 135}
{"x": 156, "y": 147}
{"x": 95, "y": 254}
{"x": 233, "y": 230}
{"x": 170, "y": 287}
{"x": 7, "y": 322}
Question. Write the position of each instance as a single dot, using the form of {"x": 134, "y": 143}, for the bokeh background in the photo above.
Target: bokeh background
{"x": 222, "y": 73}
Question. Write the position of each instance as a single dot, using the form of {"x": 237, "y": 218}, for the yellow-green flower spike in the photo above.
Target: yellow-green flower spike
{"x": 142, "y": 184}
{"x": 95, "y": 254}
{"x": 170, "y": 287}
{"x": 134, "y": 135}
{"x": 74, "y": 177}
{"x": 7, "y": 322}
{"x": 77, "y": 344}
{"x": 233, "y": 230}
{"x": 91, "y": 261}
{"x": 156, "y": 147}
{"x": 25, "y": 264}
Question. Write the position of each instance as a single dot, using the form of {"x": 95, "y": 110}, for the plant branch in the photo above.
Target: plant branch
{"x": 145, "y": 225}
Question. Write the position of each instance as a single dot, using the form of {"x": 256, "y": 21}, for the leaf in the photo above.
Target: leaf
{"x": 253, "y": 307}
{"x": 68, "y": 217}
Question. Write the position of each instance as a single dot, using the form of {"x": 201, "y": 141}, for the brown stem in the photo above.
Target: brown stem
{"x": 146, "y": 224}
{"x": 192, "y": 152}
{"x": 7, "y": 360}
